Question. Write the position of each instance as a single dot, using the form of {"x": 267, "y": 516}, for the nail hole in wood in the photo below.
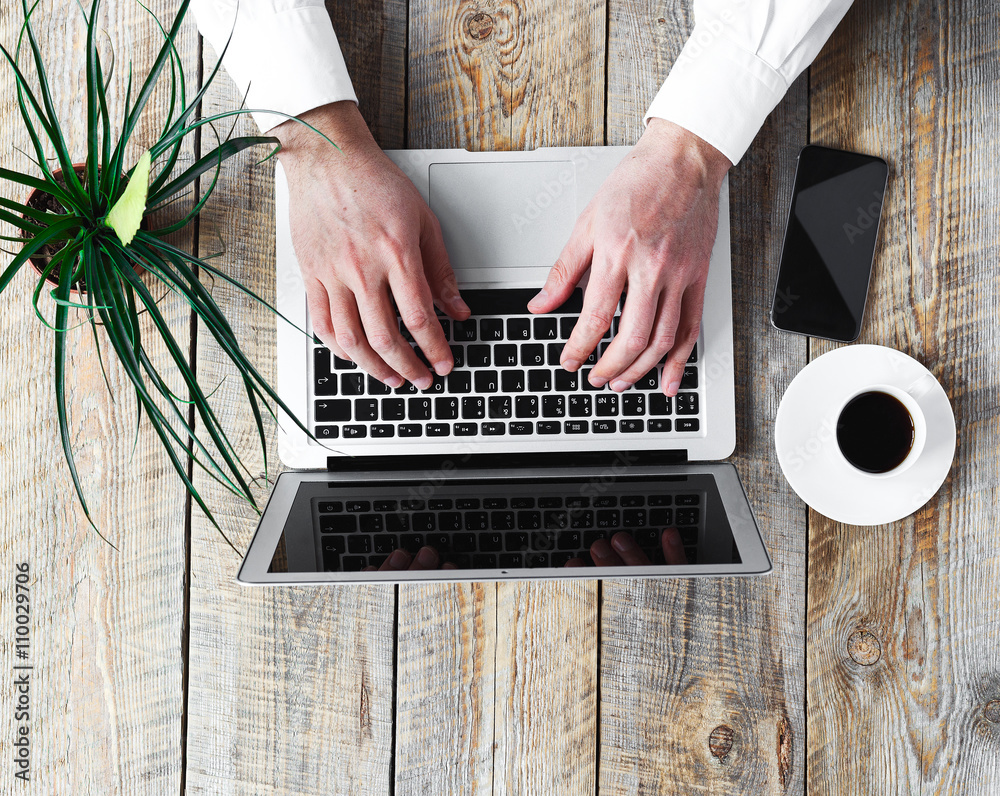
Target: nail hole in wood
{"x": 992, "y": 711}
{"x": 864, "y": 648}
{"x": 720, "y": 741}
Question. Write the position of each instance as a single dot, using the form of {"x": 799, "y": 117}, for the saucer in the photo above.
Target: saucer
{"x": 805, "y": 437}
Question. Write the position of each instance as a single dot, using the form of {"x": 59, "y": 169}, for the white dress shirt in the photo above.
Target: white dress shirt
{"x": 736, "y": 66}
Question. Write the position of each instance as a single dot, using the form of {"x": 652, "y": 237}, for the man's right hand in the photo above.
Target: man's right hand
{"x": 364, "y": 237}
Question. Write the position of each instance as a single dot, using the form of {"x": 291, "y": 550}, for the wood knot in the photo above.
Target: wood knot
{"x": 992, "y": 711}
{"x": 480, "y": 26}
{"x": 864, "y": 648}
{"x": 720, "y": 741}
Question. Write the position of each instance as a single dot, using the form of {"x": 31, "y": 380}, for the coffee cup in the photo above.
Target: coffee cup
{"x": 881, "y": 429}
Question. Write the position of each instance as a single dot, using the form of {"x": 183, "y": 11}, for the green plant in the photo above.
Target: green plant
{"x": 97, "y": 243}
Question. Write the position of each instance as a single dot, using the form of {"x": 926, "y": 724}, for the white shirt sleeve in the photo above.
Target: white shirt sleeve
{"x": 285, "y": 50}
{"x": 738, "y": 63}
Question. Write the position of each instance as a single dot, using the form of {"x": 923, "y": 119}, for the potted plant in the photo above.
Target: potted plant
{"x": 83, "y": 229}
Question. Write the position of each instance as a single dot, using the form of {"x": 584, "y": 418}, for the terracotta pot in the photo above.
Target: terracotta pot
{"x": 39, "y": 263}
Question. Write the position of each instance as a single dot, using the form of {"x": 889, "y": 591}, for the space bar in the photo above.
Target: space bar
{"x": 513, "y": 301}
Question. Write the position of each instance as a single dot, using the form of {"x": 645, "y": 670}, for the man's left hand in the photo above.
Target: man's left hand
{"x": 651, "y": 226}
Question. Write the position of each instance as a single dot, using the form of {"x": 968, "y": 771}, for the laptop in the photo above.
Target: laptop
{"x": 509, "y": 467}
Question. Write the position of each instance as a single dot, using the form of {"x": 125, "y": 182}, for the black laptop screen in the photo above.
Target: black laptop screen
{"x": 506, "y": 525}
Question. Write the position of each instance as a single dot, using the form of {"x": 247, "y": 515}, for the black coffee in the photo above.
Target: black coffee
{"x": 875, "y": 432}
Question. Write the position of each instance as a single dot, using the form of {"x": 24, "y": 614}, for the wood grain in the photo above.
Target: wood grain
{"x": 902, "y": 667}
{"x": 106, "y": 694}
{"x": 290, "y": 689}
{"x": 500, "y": 75}
{"x": 702, "y": 680}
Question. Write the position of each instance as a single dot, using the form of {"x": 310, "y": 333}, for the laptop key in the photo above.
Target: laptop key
{"x": 464, "y": 331}
{"x": 450, "y": 521}
{"x": 543, "y": 540}
{"x": 660, "y": 500}
{"x": 384, "y": 505}
{"x": 325, "y": 383}
{"x": 553, "y": 405}
{"x": 647, "y": 537}
{"x": 491, "y": 541}
{"x": 495, "y": 503}
{"x": 606, "y": 405}
{"x": 529, "y": 520}
{"x": 687, "y": 403}
{"x": 589, "y": 537}
{"x": 512, "y": 380}
{"x": 633, "y": 404}
{"x": 334, "y": 544}
{"x": 467, "y": 504}
{"x": 532, "y": 355}
{"x": 539, "y": 380}
{"x": 375, "y": 387}
{"x": 687, "y": 516}
{"x": 486, "y": 381}
{"x": 473, "y": 408}
{"x": 459, "y": 382}
{"x": 526, "y": 406}
{"x": 484, "y": 561}
{"x": 631, "y": 501}
{"x": 491, "y": 329}
{"x": 585, "y": 381}
{"x": 500, "y": 406}
{"x": 518, "y": 328}
{"x": 458, "y": 354}
{"x": 438, "y": 429}
{"x": 608, "y": 519}
{"x": 521, "y": 427}
{"x": 439, "y": 504}
{"x": 494, "y": 429}
{"x": 412, "y": 504}
{"x": 538, "y": 560}
{"x": 548, "y": 427}
{"x": 463, "y": 542}
{"x": 650, "y": 381}
{"x": 410, "y": 430}
{"x": 365, "y": 409}
{"x": 439, "y": 541}
{"x": 694, "y": 354}
{"x": 333, "y": 411}
{"x": 372, "y": 523}
{"x": 327, "y": 432}
{"x": 687, "y": 424}
{"x": 382, "y": 431}
{"x": 687, "y": 500}
{"x": 658, "y": 425}
{"x": 356, "y": 506}
{"x": 446, "y": 408}
{"x": 411, "y": 542}
{"x": 604, "y": 426}
{"x": 566, "y": 381}
{"x": 605, "y": 501}
{"x": 566, "y": 326}
{"x": 630, "y": 426}
{"x": 575, "y": 426}
{"x": 689, "y": 381}
{"x": 397, "y": 522}
{"x": 580, "y": 406}
{"x": 505, "y": 356}
{"x": 502, "y": 520}
{"x": 393, "y": 408}
{"x": 466, "y": 429}
{"x": 343, "y": 364}
{"x": 424, "y": 521}
{"x": 545, "y": 329}
{"x": 633, "y": 518}
{"x": 338, "y": 523}
{"x": 516, "y": 540}
{"x": 522, "y": 503}
{"x": 359, "y": 543}
{"x": 330, "y": 507}
{"x": 660, "y": 404}
{"x": 554, "y": 352}
{"x": 568, "y": 540}
{"x": 478, "y": 356}
{"x": 477, "y": 521}
{"x": 353, "y": 563}
{"x": 383, "y": 544}
{"x": 355, "y": 432}
{"x": 661, "y": 518}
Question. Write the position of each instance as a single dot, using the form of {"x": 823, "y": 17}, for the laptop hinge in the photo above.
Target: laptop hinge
{"x": 479, "y": 461}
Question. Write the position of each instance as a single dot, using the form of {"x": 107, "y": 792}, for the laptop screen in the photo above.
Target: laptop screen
{"x": 512, "y": 526}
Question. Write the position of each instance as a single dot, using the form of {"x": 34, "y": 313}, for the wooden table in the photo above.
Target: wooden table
{"x": 867, "y": 663}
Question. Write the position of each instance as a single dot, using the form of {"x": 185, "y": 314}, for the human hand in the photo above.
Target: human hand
{"x": 364, "y": 237}
{"x": 400, "y": 559}
{"x": 623, "y": 551}
{"x": 651, "y": 226}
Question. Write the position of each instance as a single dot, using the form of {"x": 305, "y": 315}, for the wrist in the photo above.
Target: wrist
{"x": 341, "y": 122}
{"x": 685, "y": 149}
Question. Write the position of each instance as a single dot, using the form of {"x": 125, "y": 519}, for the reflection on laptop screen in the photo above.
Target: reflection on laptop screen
{"x": 509, "y": 524}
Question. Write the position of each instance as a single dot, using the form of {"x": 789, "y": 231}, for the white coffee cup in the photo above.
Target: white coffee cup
{"x": 909, "y": 399}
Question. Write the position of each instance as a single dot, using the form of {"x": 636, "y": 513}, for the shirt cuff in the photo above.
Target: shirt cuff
{"x": 290, "y": 60}
{"x": 718, "y": 91}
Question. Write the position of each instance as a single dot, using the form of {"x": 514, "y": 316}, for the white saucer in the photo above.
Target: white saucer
{"x": 806, "y": 441}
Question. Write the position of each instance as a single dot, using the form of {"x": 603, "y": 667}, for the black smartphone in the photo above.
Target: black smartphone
{"x": 826, "y": 258}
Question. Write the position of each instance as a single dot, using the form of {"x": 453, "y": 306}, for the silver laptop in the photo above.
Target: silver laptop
{"x": 509, "y": 467}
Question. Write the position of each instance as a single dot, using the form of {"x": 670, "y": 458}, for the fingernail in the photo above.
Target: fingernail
{"x": 623, "y": 543}
{"x": 398, "y": 558}
{"x": 597, "y": 381}
{"x": 620, "y": 385}
{"x": 455, "y": 301}
{"x": 394, "y": 382}
{"x": 423, "y": 382}
{"x": 539, "y": 297}
{"x": 442, "y": 368}
{"x": 570, "y": 364}
{"x": 427, "y": 557}
{"x": 673, "y": 387}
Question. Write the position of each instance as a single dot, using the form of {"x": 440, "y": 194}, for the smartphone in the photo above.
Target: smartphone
{"x": 829, "y": 246}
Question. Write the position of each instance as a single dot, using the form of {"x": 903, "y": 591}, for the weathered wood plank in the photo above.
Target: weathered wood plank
{"x": 106, "y": 693}
{"x": 290, "y": 689}
{"x": 500, "y": 75}
{"x": 702, "y": 682}
{"x": 914, "y": 710}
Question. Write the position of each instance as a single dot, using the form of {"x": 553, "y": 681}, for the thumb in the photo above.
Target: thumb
{"x": 437, "y": 268}
{"x": 569, "y": 268}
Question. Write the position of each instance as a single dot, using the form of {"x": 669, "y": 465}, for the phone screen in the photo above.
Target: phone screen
{"x": 826, "y": 259}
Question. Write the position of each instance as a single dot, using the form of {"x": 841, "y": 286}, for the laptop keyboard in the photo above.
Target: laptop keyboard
{"x": 516, "y": 531}
{"x": 506, "y": 382}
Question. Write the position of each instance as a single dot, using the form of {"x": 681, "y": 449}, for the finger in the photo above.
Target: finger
{"x": 634, "y": 330}
{"x": 603, "y": 554}
{"x": 673, "y": 547}
{"x": 427, "y": 558}
{"x": 350, "y": 336}
{"x": 397, "y": 560}
{"x": 599, "y": 303}
{"x": 318, "y": 302}
{"x": 569, "y": 267}
{"x": 416, "y": 309}
{"x": 625, "y": 546}
{"x": 686, "y": 336}
{"x": 575, "y": 562}
{"x": 448, "y": 565}
{"x": 382, "y": 333}
{"x": 437, "y": 267}
{"x": 368, "y": 569}
{"x": 660, "y": 341}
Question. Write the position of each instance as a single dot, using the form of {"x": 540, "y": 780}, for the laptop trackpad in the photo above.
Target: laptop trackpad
{"x": 504, "y": 215}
